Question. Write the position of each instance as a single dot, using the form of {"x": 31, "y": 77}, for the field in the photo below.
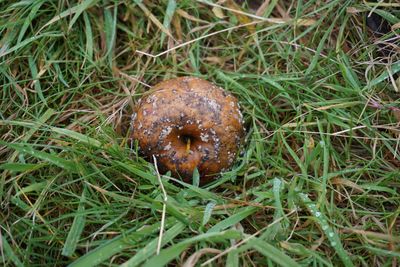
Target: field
{"x": 317, "y": 179}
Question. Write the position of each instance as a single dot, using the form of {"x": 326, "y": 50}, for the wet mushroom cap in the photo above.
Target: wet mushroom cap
{"x": 186, "y": 123}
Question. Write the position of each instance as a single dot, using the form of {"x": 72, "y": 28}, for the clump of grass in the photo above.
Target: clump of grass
{"x": 316, "y": 182}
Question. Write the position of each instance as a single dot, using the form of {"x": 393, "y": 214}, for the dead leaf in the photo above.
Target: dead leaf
{"x": 341, "y": 181}
{"x": 218, "y": 12}
{"x": 261, "y": 10}
{"x": 240, "y": 15}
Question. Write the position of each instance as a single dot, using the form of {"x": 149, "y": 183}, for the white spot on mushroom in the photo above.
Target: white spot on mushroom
{"x": 204, "y": 137}
{"x": 165, "y": 132}
{"x": 168, "y": 147}
{"x": 213, "y": 104}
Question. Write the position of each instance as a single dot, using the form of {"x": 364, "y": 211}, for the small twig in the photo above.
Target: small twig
{"x": 246, "y": 239}
{"x": 197, "y": 39}
{"x": 164, "y": 207}
{"x": 132, "y": 79}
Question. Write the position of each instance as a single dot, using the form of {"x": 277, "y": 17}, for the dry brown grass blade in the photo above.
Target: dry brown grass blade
{"x": 194, "y": 258}
{"x": 370, "y": 234}
{"x": 242, "y": 18}
{"x": 260, "y": 11}
{"x": 154, "y": 20}
{"x": 186, "y": 15}
{"x": 348, "y": 183}
{"x": 298, "y": 22}
{"x": 176, "y": 22}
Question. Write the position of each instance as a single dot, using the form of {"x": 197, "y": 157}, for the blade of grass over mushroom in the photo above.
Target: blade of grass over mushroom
{"x": 329, "y": 231}
{"x": 142, "y": 173}
{"x": 207, "y": 212}
{"x": 196, "y": 177}
{"x": 174, "y": 251}
{"x": 76, "y": 229}
{"x": 150, "y": 249}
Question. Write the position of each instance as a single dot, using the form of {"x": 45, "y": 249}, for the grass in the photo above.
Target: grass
{"x": 317, "y": 182}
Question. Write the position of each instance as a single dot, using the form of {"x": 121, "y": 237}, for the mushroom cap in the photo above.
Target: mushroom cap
{"x": 189, "y": 123}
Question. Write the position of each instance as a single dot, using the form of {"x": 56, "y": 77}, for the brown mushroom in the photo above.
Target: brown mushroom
{"x": 186, "y": 123}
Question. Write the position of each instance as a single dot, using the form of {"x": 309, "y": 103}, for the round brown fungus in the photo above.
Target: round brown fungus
{"x": 186, "y": 123}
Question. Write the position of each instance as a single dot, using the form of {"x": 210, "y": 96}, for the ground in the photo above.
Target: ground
{"x": 317, "y": 179}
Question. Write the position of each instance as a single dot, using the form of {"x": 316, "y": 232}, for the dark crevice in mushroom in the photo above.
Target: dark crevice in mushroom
{"x": 186, "y": 138}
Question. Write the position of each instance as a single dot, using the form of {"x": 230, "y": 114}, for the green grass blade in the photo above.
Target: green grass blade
{"x": 174, "y": 251}
{"x": 75, "y": 232}
{"x": 28, "y": 20}
{"x": 232, "y": 220}
{"x": 114, "y": 246}
{"x": 272, "y": 253}
{"x": 329, "y": 231}
{"x": 207, "y": 212}
{"x": 20, "y": 167}
{"x": 110, "y": 28}
{"x": 26, "y": 42}
{"x": 36, "y": 82}
{"x": 89, "y": 36}
{"x": 65, "y": 164}
{"x": 77, "y": 136}
{"x": 79, "y": 10}
{"x": 9, "y": 253}
{"x": 169, "y": 13}
{"x": 151, "y": 248}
